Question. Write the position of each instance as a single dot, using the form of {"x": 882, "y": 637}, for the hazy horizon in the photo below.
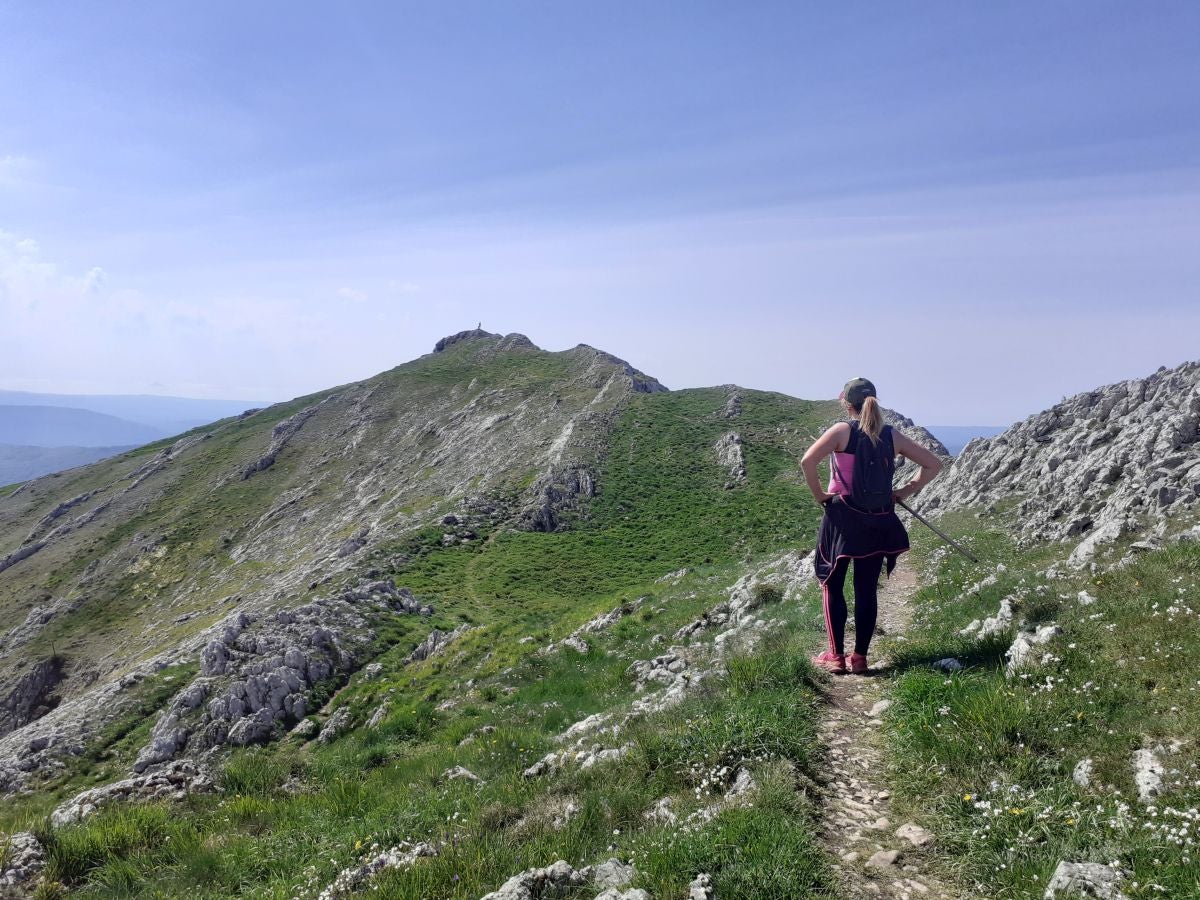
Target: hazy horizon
{"x": 981, "y": 209}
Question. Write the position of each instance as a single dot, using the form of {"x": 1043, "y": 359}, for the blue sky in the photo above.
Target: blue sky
{"x": 260, "y": 200}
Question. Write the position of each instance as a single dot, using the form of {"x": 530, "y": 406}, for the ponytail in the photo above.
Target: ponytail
{"x": 870, "y": 419}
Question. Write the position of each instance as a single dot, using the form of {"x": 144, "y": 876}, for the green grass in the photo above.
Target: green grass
{"x": 286, "y": 815}
{"x": 291, "y": 815}
{"x": 988, "y": 760}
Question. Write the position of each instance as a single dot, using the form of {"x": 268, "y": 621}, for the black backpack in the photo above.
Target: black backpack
{"x": 874, "y": 469}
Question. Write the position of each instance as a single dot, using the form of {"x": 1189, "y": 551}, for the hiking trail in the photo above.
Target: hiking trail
{"x": 876, "y": 856}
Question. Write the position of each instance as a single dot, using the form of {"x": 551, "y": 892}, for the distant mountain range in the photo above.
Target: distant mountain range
{"x": 62, "y": 426}
{"x": 169, "y": 415}
{"x": 44, "y": 433}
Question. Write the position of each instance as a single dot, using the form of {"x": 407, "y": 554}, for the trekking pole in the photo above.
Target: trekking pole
{"x": 945, "y": 537}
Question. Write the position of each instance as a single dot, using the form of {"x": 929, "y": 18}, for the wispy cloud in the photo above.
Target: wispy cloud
{"x": 15, "y": 171}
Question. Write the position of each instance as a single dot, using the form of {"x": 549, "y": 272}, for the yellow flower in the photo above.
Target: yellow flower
{"x": 1016, "y": 810}
{"x": 968, "y": 797}
{"x": 358, "y": 845}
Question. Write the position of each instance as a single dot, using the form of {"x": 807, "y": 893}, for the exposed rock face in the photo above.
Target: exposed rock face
{"x": 330, "y": 488}
{"x": 32, "y": 696}
{"x": 730, "y": 457}
{"x": 1118, "y": 459}
{"x": 255, "y": 674}
{"x": 24, "y": 862}
{"x": 170, "y": 782}
{"x": 37, "y": 619}
{"x": 451, "y": 340}
{"x": 559, "y": 493}
{"x": 436, "y": 643}
{"x": 280, "y": 435}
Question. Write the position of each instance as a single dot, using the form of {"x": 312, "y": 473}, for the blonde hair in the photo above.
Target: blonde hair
{"x": 870, "y": 419}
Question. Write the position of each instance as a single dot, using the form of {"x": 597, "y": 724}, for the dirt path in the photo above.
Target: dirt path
{"x": 877, "y": 856}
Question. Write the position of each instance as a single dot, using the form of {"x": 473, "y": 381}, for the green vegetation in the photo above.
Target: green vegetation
{"x": 288, "y": 818}
{"x": 988, "y": 760}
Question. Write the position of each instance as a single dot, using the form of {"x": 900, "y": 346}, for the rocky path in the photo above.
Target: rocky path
{"x": 876, "y": 855}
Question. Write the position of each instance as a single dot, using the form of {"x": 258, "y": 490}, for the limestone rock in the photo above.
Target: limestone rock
{"x": 1147, "y": 773}
{"x": 883, "y": 859}
{"x": 534, "y": 884}
{"x": 701, "y": 888}
{"x": 172, "y": 781}
{"x": 1118, "y": 459}
{"x": 335, "y": 725}
{"x": 380, "y": 713}
{"x": 24, "y": 860}
{"x": 1020, "y": 653}
{"x": 350, "y": 881}
{"x": 612, "y": 873}
{"x": 729, "y": 454}
{"x": 915, "y": 834}
{"x": 1086, "y": 879}
{"x": 1082, "y": 773}
{"x": 435, "y": 643}
{"x": 256, "y": 673}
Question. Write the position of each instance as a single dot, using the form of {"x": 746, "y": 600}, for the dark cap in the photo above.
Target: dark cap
{"x": 857, "y": 390}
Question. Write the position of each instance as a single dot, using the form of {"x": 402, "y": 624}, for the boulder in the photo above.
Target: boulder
{"x": 1086, "y": 879}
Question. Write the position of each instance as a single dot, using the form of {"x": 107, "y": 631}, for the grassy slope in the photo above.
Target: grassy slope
{"x": 663, "y": 506}
{"x": 988, "y": 760}
{"x": 210, "y": 530}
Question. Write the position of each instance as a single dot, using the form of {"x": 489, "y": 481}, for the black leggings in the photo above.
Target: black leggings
{"x": 866, "y": 603}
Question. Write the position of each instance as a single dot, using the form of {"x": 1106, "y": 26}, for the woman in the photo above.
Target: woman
{"x": 868, "y": 535}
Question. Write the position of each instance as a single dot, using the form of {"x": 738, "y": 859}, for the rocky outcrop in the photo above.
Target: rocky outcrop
{"x": 35, "y": 620}
{"x": 255, "y": 674}
{"x": 728, "y": 449}
{"x": 352, "y": 880}
{"x": 1020, "y": 653}
{"x": 32, "y": 696}
{"x": 451, "y": 340}
{"x": 559, "y": 495}
{"x": 536, "y": 884}
{"x": 434, "y": 644}
{"x": 1086, "y": 880}
{"x": 639, "y": 381}
{"x": 173, "y": 781}
{"x": 22, "y": 861}
{"x": 281, "y": 434}
{"x": 1119, "y": 459}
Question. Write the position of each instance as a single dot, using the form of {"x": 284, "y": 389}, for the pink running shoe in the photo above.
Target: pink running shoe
{"x": 830, "y": 662}
{"x": 858, "y": 664}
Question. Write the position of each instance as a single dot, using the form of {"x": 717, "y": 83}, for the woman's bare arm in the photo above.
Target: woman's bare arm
{"x": 833, "y": 438}
{"x": 929, "y": 463}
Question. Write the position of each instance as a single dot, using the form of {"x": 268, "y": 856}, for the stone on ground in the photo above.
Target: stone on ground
{"x": 1086, "y": 879}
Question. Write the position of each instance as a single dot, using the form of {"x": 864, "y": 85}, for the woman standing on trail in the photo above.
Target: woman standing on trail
{"x": 860, "y": 521}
